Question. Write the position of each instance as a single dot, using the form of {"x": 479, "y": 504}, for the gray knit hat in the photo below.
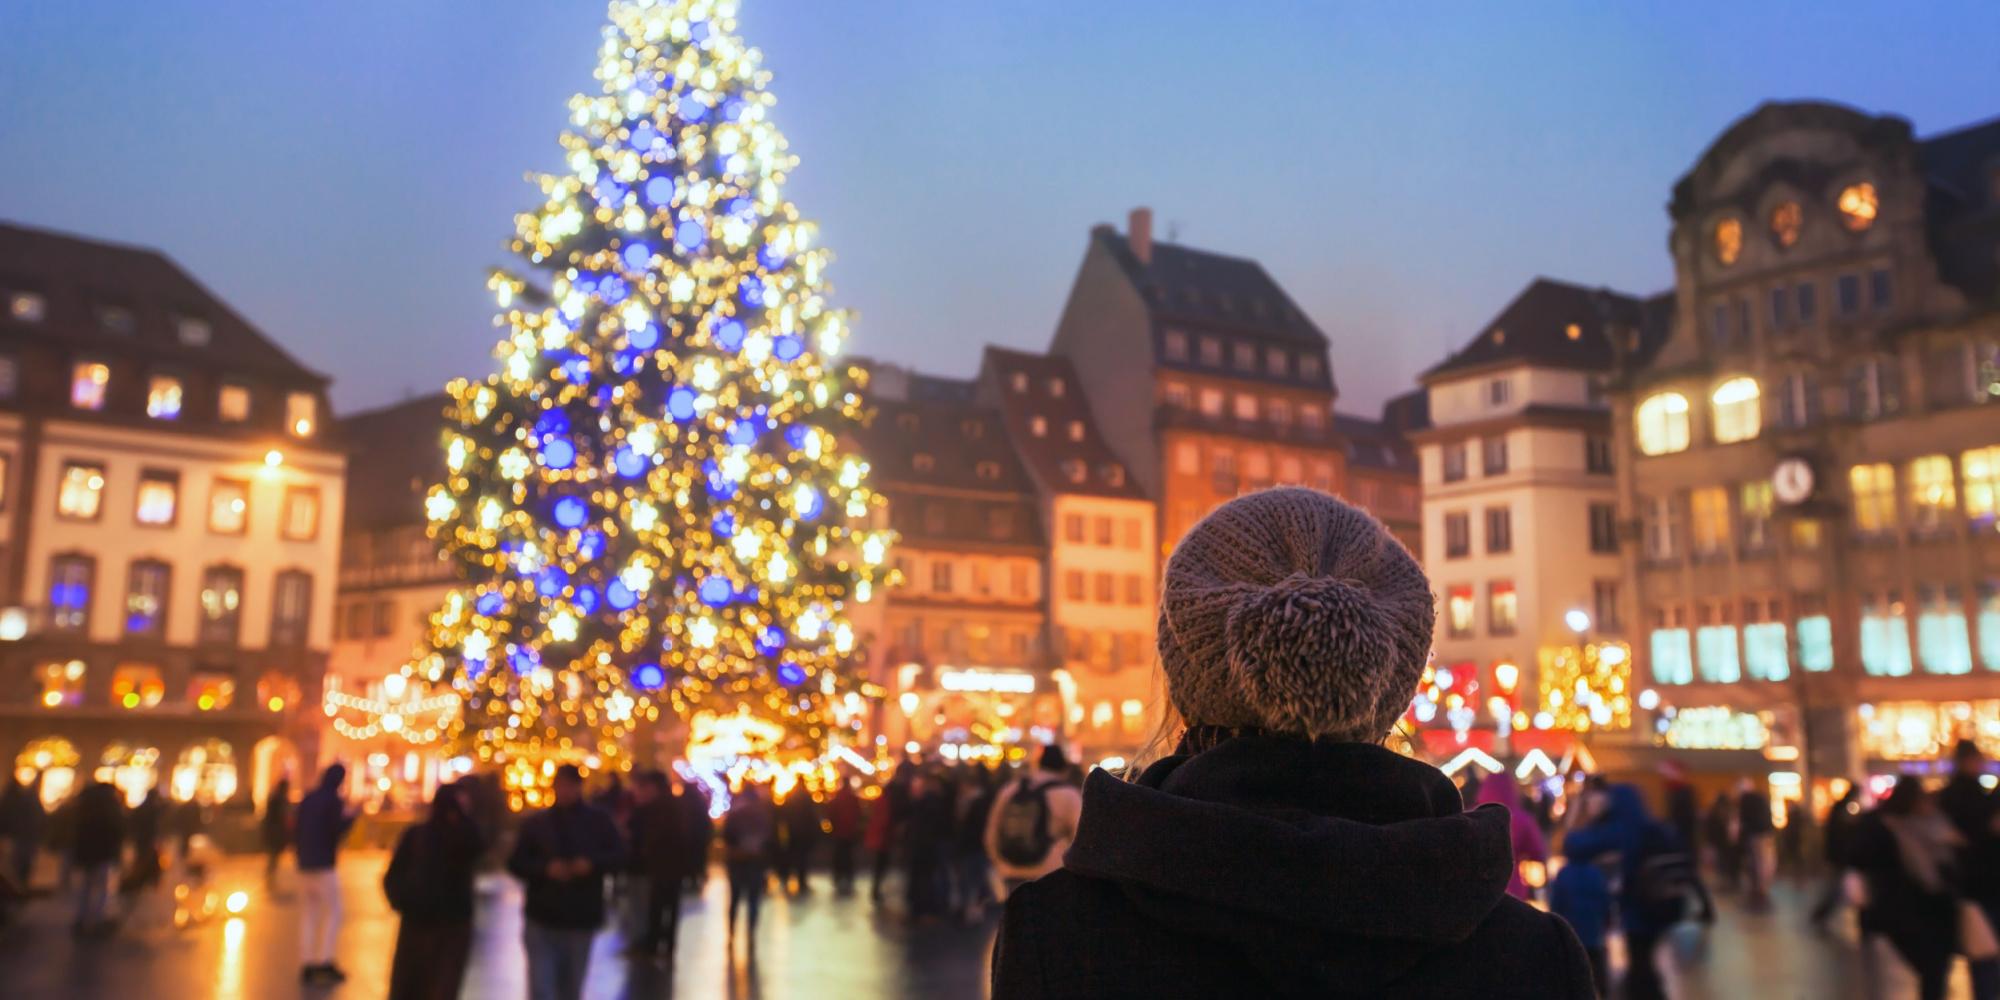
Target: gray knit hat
{"x": 1289, "y": 611}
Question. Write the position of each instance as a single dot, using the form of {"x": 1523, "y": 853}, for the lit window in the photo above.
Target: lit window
{"x": 1211, "y": 402}
{"x": 1038, "y": 426}
{"x": 163, "y": 398}
{"x": 86, "y": 384}
{"x": 81, "y": 495}
{"x": 71, "y": 580}
{"x": 1279, "y": 412}
{"x": 1786, "y": 220}
{"x": 1243, "y": 355}
{"x": 1932, "y": 494}
{"x": 1981, "y": 467}
{"x": 1277, "y": 361}
{"x": 1728, "y": 241}
{"x": 1246, "y": 407}
{"x": 1874, "y": 489}
{"x": 1187, "y": 458}
{"x": 229, "y": 507}
{"x": 1459, "y": 610}
{"x": 1816, "y": 643}
{"x": 159, "y": 497}
{"x": 1502, "y": 607}
{"x": 1673, "y": 659}
{"x": 1056, "y": 387}
{"x": 1737, "y": 410}
{"x": 193, "y": 331}
{"x": 1175, "y": 395}
{"x": 221, "y": 605}
{"x": 1875, "y": 388}
{"x": 1291, "y": 469}
{"x": 1765, "y": 654}
{"x": 1944, "y": 642}
{"x": 301, "y": 413}
{"x": 1175, "y": 345}
{"x": 1662, "y": 424}
{"x": 1857, "y": 206}
{"x": 1312, "y": 418}
{"x": 211, "y": 690}
{"x": 205, "y": 772}
{"x": 1716, "y": 655}
{"x": 1019, "y": 380}
{"x": 1708, "y": 510}
{"x": 1211, "y": 352}
{"x": 1755, "y": 512}
{"x": 1885, "y": 636}
{"x": 1658, "y": 528}
{"x": 1989, "y": 624}
{"x": 146, "y": 598}
{"x": 232, "y": 405}
{"x": 1076, "y": 430}
{"x": 62, "y": 684}
{"x": 137, "y": 686}
{"x": 27, "y": 307}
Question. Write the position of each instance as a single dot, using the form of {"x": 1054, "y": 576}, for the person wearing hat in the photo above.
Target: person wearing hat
{"x": 1281, "y": 850}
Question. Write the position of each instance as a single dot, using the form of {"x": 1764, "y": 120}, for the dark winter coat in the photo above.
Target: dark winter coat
{"x": 660, "y": 840}
{"x": 562, "y": 832}
{"x": 1279, "y": 868}
{"x": 1971, "y": 809}
{"x": 429, "y": 880}
{"x": 322, "y": 822}
{"x": 100, "y": 826}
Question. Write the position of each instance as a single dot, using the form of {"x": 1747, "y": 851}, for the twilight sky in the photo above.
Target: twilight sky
{"x": 344, "y": 173}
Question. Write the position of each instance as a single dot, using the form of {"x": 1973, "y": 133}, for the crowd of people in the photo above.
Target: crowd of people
{"x": 109, "y": 853}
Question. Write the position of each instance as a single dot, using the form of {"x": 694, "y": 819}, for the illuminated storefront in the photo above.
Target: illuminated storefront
{"x": 976, "y": 713}
{"x": 1926, "y": 731}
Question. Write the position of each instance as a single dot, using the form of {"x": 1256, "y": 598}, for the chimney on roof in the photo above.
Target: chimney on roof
{"x": 1139, "y": 234}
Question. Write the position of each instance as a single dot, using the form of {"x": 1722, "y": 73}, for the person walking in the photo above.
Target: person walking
{"x": 274, "y": 828}
{"x": 1975, "y": 812}
{"x": 971, "y": 870}
{"x": 562, "y": 855}
{"x": 1755, "y": 844}
{"x": 1281, "y": 850}
{"x": 798, "y": 831}
{"x": 429, "y": 884}
{"x": 659, "y": 863}
{"x": 1837, "y": 846}
{"x": 1581, "y": 895}
{"x": 95, "y": 852}
{"x": 1032, "y": 821}
{"x": 143, "y": 829}
{"x": 700, "y": 827}
{"x": 23, "y": 823}
{"x": 927, "y": 848}
{"x": 323, "y": 821}
{"x": 844, "y": 830}
{"x": 747, "y": 833}
{"x": 1906, "y": 852}
{"x": 1722, "y": 826}
{"x": 1656, "y": 879}
{"x": 1500, "y": 790}
{"x": 885, "y": 823}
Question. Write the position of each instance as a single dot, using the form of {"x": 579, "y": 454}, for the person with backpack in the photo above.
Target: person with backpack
{"x": 1033, "y": 820}
{"x": 429, "y": 884}
{"x": 1283, "y": 850}
{"x": 1656, "y": 879}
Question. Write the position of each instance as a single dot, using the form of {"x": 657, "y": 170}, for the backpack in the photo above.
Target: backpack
{"x": 1661, "y": 882}
{"x": 1023, "y": 833}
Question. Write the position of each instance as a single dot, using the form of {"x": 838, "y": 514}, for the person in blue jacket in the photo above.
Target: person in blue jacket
{"x": 321, "y": 823}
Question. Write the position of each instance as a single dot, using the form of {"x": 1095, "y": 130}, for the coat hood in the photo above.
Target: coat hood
{"x": 1329, "y": 865}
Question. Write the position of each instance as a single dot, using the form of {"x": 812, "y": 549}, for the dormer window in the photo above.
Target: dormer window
{"x": 163, "y": 398}
{"x": 1075, "y": 470}
{"x": 1728, "y": 241}
{"x": 1786, "y": 221}
{"x": 1858, "y": 206}
{"x": 193, "y": 331}
{"x": 1019, "y": 381}
{"x": 1499, "y": 335}
{"x": 1573, "y": 332}
{"x": 1038, "y": 426}
{"x": 1113, "y": 473}
{"x": 1076, "y": 430}
{"x": 301, "y": 413}
{"x": 232, "y": 404}
{"x": 27, "y": 307}
{"x": 116, "y": 319}
{"x": 1056, "y": 387}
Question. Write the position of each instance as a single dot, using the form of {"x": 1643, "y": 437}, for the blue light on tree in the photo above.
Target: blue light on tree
{"x": 489, "y": 603}
{"x": 680, "y": 403}
{"x": 558, "y": 453}
{"x": 571, "y": 512}
{"x": 691, "y": 235}
{"x": 729, "y": 335}
{"x": 788, "y": 348}
{"x": 716, "y": 591}
{"x": 619, "y": 596}
{"x": 648, "y": 677}
{"x": 791, "y": 674}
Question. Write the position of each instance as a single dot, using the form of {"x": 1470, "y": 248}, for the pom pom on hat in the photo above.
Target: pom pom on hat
{"x": 1290, "y": 611}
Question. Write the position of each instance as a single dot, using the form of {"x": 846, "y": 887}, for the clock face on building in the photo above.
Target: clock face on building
{"x": 1792, "y": 481}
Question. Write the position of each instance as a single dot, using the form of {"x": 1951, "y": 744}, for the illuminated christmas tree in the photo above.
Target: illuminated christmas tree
{"x": 649, "y": 500}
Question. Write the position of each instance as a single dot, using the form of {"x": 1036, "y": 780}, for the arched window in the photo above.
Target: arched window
{"x": 52, "y": 761}
{"x": 1737, "y": 410}
{"x": 206, "y": 773}
{"x": 1661, "y": 423}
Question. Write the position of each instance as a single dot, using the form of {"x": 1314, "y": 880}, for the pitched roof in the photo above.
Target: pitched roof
{"x": 1560, "y": 325}
{"x": 1183, "y": 284}
{"x": 81, "y": 279}
{"x": 1069, "y": 454}
{"x": 395, "y": 454}
{"x": 1962, "y": 207}
{"x": 1374, "y": 444}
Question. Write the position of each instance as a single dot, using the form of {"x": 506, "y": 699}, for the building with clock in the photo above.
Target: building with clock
{"x": 1809, "y": 470}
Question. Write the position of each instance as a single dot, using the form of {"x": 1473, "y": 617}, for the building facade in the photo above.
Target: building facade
{"x": 170, "y": 534}
{"x": 1814, "y": 455}
{"x": 1520, "y": 526}
{"x": 1099, "y": 588}
{"x": 1383, "y": 474}
{"x": 1206, "y": 377}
